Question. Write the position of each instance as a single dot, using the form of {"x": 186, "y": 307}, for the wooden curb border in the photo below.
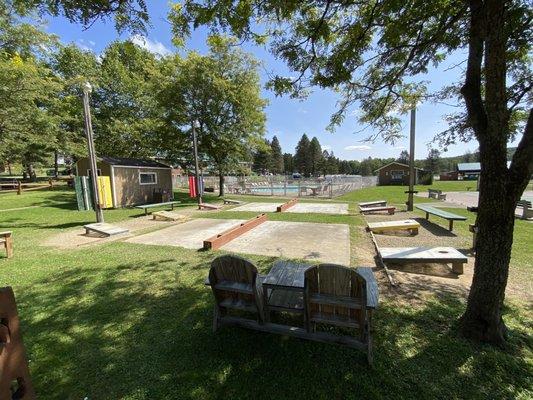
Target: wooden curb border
{"x": 217, "y": 241}
{"x": 286, "y": 205}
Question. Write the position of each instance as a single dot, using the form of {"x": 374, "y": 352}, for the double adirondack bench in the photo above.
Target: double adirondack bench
{"x": 6, "y": 239}
{"x": 146, "y": 207}
{"x": 324, "y": 294}
{"x": 441, "y": 213}
{"x": 436, "y": 194}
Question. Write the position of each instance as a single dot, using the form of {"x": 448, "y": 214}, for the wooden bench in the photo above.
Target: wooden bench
{"x": 230, "y": 201}
{"x": 6, "y": 238}
{"x": 441, "y": 213}
{"x": 527, "y": 210}
{"x": 286, "y": 205}
{"x": 410, "y": 255}
{"x": 404, "y": 225}
{"x": 436, "y": 194}
{"x": 389, "y": 209}
{"x": 146, "y": 207}
{"x": 376, "y": 203}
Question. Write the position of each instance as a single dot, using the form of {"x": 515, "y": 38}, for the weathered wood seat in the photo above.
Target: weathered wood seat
{"x": 410, "y": 255}
{"x": 386, "y": 226}
{"x": 236, "y": 285}
{"x": 373, "y": 203}
{"x": 341, "y": 296}
{"x": 389, "y": 209}
{"x": 6, "y": 239}
{"x": 146, "y": 207}
{"x": 436, "y": 194}
{"x": 527, "y": 210}
{"x": 441, "y": 213}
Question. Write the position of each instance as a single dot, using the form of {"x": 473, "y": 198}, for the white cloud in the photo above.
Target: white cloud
{"x": 302, "y": 110}
{"x": 152, "y": 46}
{"x": 92, "y": 43}
{"x": 362, "y": 147}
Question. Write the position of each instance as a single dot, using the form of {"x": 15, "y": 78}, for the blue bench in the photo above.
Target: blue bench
{"x": 441, "y": 213}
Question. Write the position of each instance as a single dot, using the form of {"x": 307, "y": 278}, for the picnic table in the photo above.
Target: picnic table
{"x": 441, "y": 213}
{"x": 146, "y": 207}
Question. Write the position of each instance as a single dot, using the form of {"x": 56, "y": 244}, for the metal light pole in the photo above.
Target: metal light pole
{"x": 412, "y": 162}
{"x": 87, "y": 89}
{"x": 195, "y": 125}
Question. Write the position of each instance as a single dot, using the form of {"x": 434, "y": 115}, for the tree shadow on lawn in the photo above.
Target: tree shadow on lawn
{"x": 143, "y": 331}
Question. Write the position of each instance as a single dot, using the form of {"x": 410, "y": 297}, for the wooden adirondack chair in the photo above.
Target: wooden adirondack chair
{"x": 341, "y": 296}
{"x": 236, "y": 285}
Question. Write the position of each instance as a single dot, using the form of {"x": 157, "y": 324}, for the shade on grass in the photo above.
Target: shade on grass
{"x": 126, "y": 321}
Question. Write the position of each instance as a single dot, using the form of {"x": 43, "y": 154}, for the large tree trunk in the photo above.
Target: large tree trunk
{"x": 221, "y": 181}
{"x": 56, "y": 165}
{"x": 499, "y": 189}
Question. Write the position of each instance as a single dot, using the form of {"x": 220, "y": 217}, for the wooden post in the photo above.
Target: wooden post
{"x": 19, "y": 187}
{"x": 412, "y": 162}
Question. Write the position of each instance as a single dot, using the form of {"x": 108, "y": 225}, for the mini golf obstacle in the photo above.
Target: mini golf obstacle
{"x": 219, "y": 240}
{"x": 103, "y": 229}
{"x": 409, "y": 225}
{"x": 287, "y": 205}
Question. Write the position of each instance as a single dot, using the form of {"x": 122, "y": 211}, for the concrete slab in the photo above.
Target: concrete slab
{"x": 258, "y": 207}
{"x": 303, "y": 240}
{"x": 319, "y": 208}
{"x": 190, "y": 235}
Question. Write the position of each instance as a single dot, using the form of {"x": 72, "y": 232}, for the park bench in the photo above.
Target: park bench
{"x": 6, "y": 238}
{"x": 436, "y": 194}
{"x": 409, "y": 225}
{"x": 146, "y": 207}
{"x": 527, "y": 210}
{"x": 230, "y": 201}
{"x": 389, "y": 209}
{"x": 441, "y": 213}
{"x": 417, "y": 255}
{"x": 375, "y": 203}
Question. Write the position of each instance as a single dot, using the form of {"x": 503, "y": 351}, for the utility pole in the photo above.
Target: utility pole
{"x": 87, "y": 89}
{"x": 195, "y": 125}
{"x": 412, "y": 162}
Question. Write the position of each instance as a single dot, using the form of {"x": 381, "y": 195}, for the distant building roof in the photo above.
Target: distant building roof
{"x": 132, "y": 162}
{"x": 396, "y": 163}
{"x": 470, "y": 166}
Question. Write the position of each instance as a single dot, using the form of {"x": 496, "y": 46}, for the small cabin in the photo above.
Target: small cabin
{"x": 132, "y": 181}
{"x": 396, "y": 173}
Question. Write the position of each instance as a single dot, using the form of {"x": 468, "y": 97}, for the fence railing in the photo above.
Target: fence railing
{"x": 276, "y": 185}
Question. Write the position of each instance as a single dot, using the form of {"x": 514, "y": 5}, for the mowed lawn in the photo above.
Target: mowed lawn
{"x": 127, "y": 321}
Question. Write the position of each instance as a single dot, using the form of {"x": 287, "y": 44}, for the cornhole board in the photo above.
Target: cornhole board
{"x": 373, "y": 203}
{"x": 220, "y": 239}
{"x": 390, "y": 210}
{"x": 103, "y": 229}
{"x": 319, "y": 208}
{"x": 404, "y": 225}
{"x": 205, "y": 206}
{"x": 168, "y": 216}
{"x": 286, "y": 205}
{"x": 417, "y": 255}
{"x": 230, "y": 201}
{"x": 15, "y": 380}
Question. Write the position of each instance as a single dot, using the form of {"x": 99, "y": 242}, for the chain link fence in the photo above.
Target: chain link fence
{"x": 280, "y": 185}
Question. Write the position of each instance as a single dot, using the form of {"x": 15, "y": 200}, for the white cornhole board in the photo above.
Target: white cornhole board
{"x": 103, "y": 229}
{"x": 407, "y": 255}
{"x": 405, "y": 224}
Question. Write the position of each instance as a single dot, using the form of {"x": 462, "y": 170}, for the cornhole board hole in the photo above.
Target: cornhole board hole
{"x": 205, "y": 206}
{"x": 319, "y": 208}
{"x": 296, "y": 240}
{"x": 409, "y": 225}
{"x": 103, "y": 229}
{"x": 390, "y": 210}
{"x": 375, "y": 203}
{"x": 416, "y": 255}
{"x": 168, "y": 216}
{"x": 190, "y": 234}
{"x": 15, "y": 380}
{"x": 286, "y": 206}
{"x": 215, "y": 242}
{"x": 256, "y": 207}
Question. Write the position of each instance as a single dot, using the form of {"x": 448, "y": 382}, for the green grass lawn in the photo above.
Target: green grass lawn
{"x": 128, "y": 321}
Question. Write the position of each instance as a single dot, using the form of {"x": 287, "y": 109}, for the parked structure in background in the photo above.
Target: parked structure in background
{"x": 128, "y": 181}
{"x": 397, "y": 173}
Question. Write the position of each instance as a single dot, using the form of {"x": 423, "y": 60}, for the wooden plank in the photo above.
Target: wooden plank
{"x": 232, "y": 286}
{"x": 217, "y": 241}
{"x": 372, "y": 290}
{"x": 286, "y": 205}
{"x": 336, "y": 300}
{"x": 338, "y": 320}
{"x": 422, "y": 254}
{"x": 406, "y": 224}
{"x": 390, "y": 210}
{"x": 373, "y": 203}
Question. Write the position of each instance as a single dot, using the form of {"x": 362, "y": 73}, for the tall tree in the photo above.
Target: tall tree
{"x": 221, "y": 90}
{"x": 432, "y": 161}
{"x": 288, "y": 163}
{"x": 404, "y": 157}
{"x": 262, "y": 160}
{"x": 373, "y": 53}
{"x": 302, "y": 157}
{"x": 276, "y": 157}
{"x": 315, "y": 153}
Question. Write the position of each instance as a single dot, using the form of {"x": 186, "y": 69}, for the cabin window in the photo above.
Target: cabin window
{"x": 148, "y": 178}
{"x": 397, "y": 175}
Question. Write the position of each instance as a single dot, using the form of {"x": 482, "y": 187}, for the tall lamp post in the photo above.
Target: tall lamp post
{"x": 196, "y": 125}
{"x": 412, "y": 191}
{"x": 87, "y": 89}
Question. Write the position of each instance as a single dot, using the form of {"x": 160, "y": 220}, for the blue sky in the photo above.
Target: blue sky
{"x": 287, "y": 118}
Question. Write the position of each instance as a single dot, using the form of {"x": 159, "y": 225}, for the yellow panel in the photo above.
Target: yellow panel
{"x": 104, "y": 192}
